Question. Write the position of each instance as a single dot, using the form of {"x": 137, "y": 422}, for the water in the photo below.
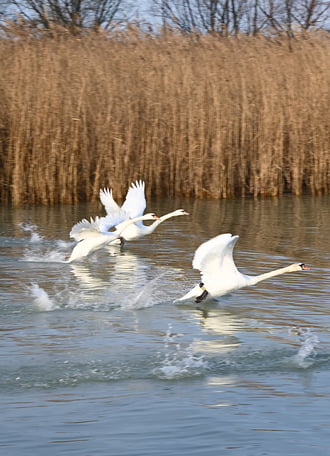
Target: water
{"x": 96, "y": 359}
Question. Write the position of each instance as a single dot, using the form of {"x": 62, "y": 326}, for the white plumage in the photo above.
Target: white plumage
{"x": 93, "y": 235}
{"x": 134, "y": 206}
{"x": 219, "y": 274}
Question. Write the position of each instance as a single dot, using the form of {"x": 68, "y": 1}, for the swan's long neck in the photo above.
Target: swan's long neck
{"x": 148, "y": 229}
{"x": 163, "y": 218}
{"x": 268, "y": 275}
{"x": 126, "y": 223}
{"x": 123, "y": 225}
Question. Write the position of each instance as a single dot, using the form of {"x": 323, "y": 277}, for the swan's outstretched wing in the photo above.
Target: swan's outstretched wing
{"x": 87, "y": 229}
{"x": 135, "y": 202}
{"x": 110, "y": 220}
{"x": 108, "y": 202}
{"x": 215, "y": 257}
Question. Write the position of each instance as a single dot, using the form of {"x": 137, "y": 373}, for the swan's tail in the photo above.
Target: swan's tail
{"x": 194, "y": 293}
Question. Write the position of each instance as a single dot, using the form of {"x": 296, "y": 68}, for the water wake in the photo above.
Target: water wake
{"x": 37, "y": 253}
{"x": 148, "y": 295}
{"x": 47, "y": 256}
{"x": 180, "y": 362}
{"x": 100, "y": 298}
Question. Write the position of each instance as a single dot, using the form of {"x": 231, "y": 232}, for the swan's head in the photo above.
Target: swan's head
{"x": 179, "y": 212}
{"x": 299, "y": 267}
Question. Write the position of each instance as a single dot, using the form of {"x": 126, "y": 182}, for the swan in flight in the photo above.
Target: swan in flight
{"x": 134, "y": 206}
{"x": 93, "y": 235}
{"x": 219, "y": 275}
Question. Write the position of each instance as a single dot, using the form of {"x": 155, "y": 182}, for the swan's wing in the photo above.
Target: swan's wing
{"x": 135, "y": 201}
{"x": 108, "y": 202}
{"x": 216, "y": 256}
{"x": 87, "y": 229}
{"x": 111, "y": 220}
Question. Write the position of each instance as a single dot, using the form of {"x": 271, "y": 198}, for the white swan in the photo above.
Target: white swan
{"x": 219, "y": 275}
{"x": 93, "y": 235}
{"x": 134, "y": 205}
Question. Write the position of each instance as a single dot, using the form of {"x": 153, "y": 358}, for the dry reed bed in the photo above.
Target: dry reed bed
{"x": 194, "y": 116}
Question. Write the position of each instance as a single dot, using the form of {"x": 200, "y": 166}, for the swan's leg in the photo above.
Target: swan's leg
{"x": 203, "y": 295}
{"x": 122, "y": 241}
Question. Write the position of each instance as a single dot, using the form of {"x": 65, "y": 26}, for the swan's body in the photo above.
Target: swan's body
{"x": 134, "y": 206}
{"x": 93, "y": 235}
{"x": 219, "y": 275}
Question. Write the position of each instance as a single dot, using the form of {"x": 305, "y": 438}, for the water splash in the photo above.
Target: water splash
{"x": 37, "y": 253}
{"x": 308, "y": 342}
{"x": 35, "y": 237}
{"x": 64, "y": 244}
{"x": 147, "y": 296}
{"x": 180, "y": 362}
{"x": 41, "y": 299}
{"x": 48, "y": 256}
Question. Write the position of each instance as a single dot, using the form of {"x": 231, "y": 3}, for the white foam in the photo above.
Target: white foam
{"x": 35, "y": 237}
{"x": 64, "y": 244}
{"x": 41, "y": 299}
{"x": 48, "y": 256}
{"x": 146, "y": 296}
{"x": 181, "y": 362}
{"x": 37, "y": 253}
{"x": 308, "y": 341}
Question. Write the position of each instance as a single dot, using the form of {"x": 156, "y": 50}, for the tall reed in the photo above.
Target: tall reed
{"x": 192, "y": 115}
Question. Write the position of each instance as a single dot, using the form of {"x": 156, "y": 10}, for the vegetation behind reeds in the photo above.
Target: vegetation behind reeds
{"x": 195, "y": 116}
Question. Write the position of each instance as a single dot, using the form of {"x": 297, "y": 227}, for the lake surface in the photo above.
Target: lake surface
{"x": 97, "y": 359}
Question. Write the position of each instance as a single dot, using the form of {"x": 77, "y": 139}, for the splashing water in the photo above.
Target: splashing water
{"x": 41, "y": 298}
{"x": 53, "y": 256}
{"x": 48, "y": 256}
{"x": 182, "y": 362}
{"x": 64, "y": 244}
{"x": 147, "y": 296}
{"x": 308, "y": 341}
{"x": 35, "y": 237}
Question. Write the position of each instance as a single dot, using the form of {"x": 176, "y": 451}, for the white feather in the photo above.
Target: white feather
{"x": 219, "y": 274}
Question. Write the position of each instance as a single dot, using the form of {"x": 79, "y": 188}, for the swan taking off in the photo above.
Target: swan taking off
{"x": 219, "y": 275}
{"x": 93, "y": 235}
{"x": 134, "y": 206}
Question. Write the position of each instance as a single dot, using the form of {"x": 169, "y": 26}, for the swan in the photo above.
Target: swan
{"x": 93, "y": 235}
{"x": 219, "y": 275}
{"x": 134, "y": 205}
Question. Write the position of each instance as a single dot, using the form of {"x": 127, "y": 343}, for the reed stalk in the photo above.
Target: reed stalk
{"x": 194, "y": 116}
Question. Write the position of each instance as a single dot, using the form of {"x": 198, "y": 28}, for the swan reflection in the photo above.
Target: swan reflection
{"x": 125, "y": 269}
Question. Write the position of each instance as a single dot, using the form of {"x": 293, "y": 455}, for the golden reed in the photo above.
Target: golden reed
{"x": 193, "y": 115}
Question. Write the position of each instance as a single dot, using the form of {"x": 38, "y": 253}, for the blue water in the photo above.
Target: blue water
{"x": 97, "y": 359}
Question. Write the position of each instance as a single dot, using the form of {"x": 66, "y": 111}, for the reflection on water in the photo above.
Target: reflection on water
{"x": 268, "y": 225}
{"x": 95, "y": 355}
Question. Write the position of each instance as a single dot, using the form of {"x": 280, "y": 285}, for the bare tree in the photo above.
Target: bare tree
{"x": 288, "y": 14}
{"x": 311, "y": 13}
{"x": 71, "y": 14}
{"x": 210, "y": 16}
{"x": 248, "y": 16}
{"x": 222, "y": 17}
